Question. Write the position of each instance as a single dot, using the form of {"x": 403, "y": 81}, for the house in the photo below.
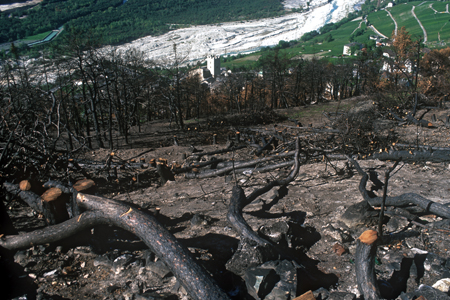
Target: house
{"x": 348, "y": 48}
{"x": 390, "y": 65}
{"x": 202, "y": 72}
{"x": 390, "y": 4}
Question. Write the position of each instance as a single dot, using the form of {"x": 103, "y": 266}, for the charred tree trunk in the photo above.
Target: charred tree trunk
{"x": 366, "y": 248}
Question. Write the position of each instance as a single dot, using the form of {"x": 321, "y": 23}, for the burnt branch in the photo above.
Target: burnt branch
{"x": 33, "y": 200}
{"x": 239, "y": 201}
{"x": 415, "y": 156}
{"x": 401, "y": 200}
{"x": 54, "y": 233}
{"x": 383, "y": 201}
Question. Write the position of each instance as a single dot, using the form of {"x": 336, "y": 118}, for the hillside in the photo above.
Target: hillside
{"x": 422, "y": 19}
{"x": 430, "y": 19}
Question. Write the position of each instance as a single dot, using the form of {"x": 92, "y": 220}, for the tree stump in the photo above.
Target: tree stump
{"x": 54, "y": 206}
{"x": 366, "y": 248}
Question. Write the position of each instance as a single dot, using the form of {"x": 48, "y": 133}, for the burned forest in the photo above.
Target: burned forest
{"x": 123, "y": 179}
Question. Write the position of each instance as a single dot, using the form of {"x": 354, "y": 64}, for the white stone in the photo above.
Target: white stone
{"x": 443, "y": 285}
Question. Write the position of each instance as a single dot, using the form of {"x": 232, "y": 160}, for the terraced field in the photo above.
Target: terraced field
{"x": 382, "y": 22}
{"x": 433, "y": 15}
{"x": 433, "y": 22}
{"x": 404, "y": 17}
{"x": 440, "y": 6}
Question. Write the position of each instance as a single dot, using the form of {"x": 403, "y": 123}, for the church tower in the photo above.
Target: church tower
{"x": 213, "y": 65}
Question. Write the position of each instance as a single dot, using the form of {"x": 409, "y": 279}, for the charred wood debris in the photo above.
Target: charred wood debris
{"x": 65, "y": 191}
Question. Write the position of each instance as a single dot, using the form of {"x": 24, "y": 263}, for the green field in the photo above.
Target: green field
{"x": 382, "y": 22}
{"x": 404, "y": 18}
{"x": 241, "y": 62}
{"x": 440, "y": 6}
{"x": 340, "y": 37}
{"x": 433, "y": 23}
{"x": 37, "y": 37}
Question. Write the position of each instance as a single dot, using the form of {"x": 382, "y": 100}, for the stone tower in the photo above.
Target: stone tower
{"x": 213, "y": 65}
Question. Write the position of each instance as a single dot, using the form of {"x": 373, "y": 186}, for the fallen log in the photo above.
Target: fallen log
{"x": 401, "y": 200}
{"x": 54, "y": 233}
{"x": 212, "y": 173}
{"x": 312, "y": 129}
{"x": 213, "y": 163}
{"x": 426, "y": 148}
{"x": 200, "y": 154}
{"x": 266, "y": 168}
{"x": 435, "y": 156}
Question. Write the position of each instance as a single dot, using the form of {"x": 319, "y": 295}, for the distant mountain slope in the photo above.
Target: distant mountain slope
{"x": 118, "y": 21}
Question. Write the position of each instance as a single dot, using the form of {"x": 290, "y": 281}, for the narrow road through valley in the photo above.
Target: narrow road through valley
{"x": 395, "y": 22}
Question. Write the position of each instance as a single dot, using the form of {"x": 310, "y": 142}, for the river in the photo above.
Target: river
{"x": 196, "y": 42}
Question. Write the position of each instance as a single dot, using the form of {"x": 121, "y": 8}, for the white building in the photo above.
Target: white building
{"x": 348, "y": 48}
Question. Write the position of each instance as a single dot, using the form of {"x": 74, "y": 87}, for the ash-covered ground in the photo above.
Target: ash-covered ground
{"x": 310, "y": 217}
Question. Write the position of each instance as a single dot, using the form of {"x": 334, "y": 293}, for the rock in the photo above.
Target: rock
{"x": 321, "y": 293}
{"x": 426, "y": 291}
{"x": 275, "y": 233}
{"x": 272, "y": 280}
{"x": 393, "y": 261}
{"x": 121, "y": 262}
{"x": 396, "y": 224}
{"x": 337, "y": 234}
{"x": 159, "y": 268}
{"x": 199, "y": 220}
{"x": 443, "y": 285}
{"x": 338, "y": 249}
{"x": 103, "y": 261}
{"x": 341, "y": 296}
{"x": 260, "y": 281}
{"x": 248, "y": 255}
{"x": 358, "y": 214}
{"x": 148, "y": 256}
{"x": 21, "y": 256}
{"x": 433, "y": 263}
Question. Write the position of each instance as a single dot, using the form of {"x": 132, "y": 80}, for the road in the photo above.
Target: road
{"x": 425, "y": 36}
